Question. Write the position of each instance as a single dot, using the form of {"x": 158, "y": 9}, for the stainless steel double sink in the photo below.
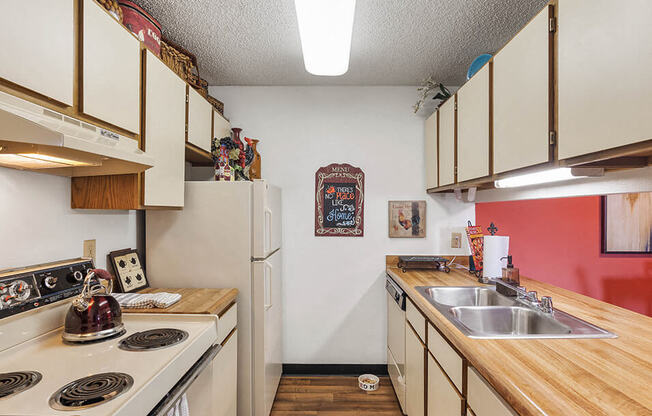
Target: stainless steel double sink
{"x": 482, "y": 312}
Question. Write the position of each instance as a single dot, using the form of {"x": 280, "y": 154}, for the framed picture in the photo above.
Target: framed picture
{"x": 127, "y": 270}
{"x": 407, "y": 219}
{"x": 339, "y": 201}
{"x": 627, "y": 223}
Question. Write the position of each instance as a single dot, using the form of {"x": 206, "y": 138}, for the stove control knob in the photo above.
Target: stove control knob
{"x": 50, "y": 282}
{"x": 77, "y": 275}
{"x": 19, "y": 290}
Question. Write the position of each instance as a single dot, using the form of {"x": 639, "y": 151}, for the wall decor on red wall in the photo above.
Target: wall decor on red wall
{"x": 339, "y": 201}
{"x": 627, "y": 223}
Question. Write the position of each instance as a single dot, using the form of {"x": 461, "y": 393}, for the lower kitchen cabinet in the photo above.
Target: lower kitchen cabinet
{"x": 225, "y": 375}
{"x": 415, "y": 355}
{"x": 443, "y": 399}
{"x": 483, "y": 399}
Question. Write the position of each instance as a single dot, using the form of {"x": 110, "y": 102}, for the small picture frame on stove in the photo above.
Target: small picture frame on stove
{"x": 127, "y": 270}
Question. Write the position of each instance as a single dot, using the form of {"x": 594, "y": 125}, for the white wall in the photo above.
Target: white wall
{"x": 334, "y": 298}
{"x": 37, "y": 224}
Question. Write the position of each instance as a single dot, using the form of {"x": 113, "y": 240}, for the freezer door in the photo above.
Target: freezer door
{"x": 268, "y": 332}
{"x": 267, "y": 219}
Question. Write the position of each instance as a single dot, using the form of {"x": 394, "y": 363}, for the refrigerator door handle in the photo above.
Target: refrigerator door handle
{"x": 268, "y": 284}
{"x": 268, "y": 230}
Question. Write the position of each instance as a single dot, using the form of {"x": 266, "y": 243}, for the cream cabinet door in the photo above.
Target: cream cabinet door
{"x": 38, "y": 44}
{"x": 473, "y": 127}
{"x": 221, "y": 126}
{"x": 111, "y": 70}
{"x": 443, "y": 399}
{"x": 225, "y": 378}
{"x": 521, "y": 78}
{"x": 164, "y": 138}
{"x": 430, "y": 150}
{"x": 447, "y": 142}
{"x": 604, "y": 82}
{"x": 200, "y": 114}
{"x": 483, "y": 399}
{"x": 414, "y": 373}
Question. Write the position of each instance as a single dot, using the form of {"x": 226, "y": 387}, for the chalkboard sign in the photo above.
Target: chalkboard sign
{"x": 339, "y": 201}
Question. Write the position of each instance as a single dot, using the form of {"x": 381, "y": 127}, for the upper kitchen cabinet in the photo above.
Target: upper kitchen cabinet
{"x": 38, "y": 44}
{"x": 221, "y": 126}
{"x": 111, "y": 69}
{"x": 430, "y": 150}
{"x": 521, "y": 97}
{"x": 447, "y": 132}
{"x": 473, "y": 127}
{"x": 200, "y": 120}
{"x": 604, "y": 87}
{"x": 164, "y": 134}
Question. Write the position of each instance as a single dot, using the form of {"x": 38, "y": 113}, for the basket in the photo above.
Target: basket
{"x": 217, "y": 104}
{"x": 183, "y": 63}
{"x": 113, "y": 7}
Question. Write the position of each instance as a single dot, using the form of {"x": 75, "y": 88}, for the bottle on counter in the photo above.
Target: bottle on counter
{"x": 510, "y": 273}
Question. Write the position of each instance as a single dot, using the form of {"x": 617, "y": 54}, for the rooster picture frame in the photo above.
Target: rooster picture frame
{"x": 407, "y": 219}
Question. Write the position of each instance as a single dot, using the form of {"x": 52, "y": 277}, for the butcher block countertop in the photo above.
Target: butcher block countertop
{"x": 560, "y": 377}
{"x": 201, "y": 301}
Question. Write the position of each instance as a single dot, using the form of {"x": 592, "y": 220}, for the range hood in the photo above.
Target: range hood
{"x": 35, "y": 138}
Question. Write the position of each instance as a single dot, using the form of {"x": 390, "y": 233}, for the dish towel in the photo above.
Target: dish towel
{"x": 147, "y": 300}
{"x": 180, "y": 408}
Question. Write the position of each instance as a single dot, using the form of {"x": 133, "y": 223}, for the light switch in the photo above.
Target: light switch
{"x": 89, "y": 250}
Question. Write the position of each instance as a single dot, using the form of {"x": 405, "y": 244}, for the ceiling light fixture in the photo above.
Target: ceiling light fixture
{"x": 325, "y": 27}
{"x": 546, "y": 176}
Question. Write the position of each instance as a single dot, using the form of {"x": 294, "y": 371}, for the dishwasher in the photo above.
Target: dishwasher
{"x": 396, "y": 338}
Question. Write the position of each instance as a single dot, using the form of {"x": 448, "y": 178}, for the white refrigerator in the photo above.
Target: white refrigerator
{"x": 229, "y": 235}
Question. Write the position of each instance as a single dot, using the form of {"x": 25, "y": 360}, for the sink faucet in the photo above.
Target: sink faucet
{"x": 530, "y": 298}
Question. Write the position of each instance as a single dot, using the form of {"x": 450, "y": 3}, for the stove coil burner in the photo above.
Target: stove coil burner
{"x": 91, "y": 391}
{"x": 153, "y": 339}
{"x": 13, "y": 383}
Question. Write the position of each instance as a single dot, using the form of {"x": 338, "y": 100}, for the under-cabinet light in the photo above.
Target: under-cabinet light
{"x": 37, "y": 161}
{"x": 325, "y": 27}
{"x": 546, "y": 176}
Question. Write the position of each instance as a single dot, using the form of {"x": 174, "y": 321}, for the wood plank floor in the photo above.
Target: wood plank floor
{"x": 333, "y": 396}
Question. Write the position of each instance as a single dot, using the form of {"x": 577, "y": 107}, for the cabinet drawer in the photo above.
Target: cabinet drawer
{"x": 483, "y": 399}
{"x": 415, "y": 319}
{"x": 443, "y": 399}
{"x": 446, "y": 356}
{"x": 227, "y": 321}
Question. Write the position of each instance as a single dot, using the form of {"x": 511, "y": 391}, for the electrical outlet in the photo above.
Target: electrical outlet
{"x": 456, "y": 240}
{"x": 89, "y": 250}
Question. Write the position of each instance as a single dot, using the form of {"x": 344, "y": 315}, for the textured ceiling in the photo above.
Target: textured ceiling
{"x": 395, "y": 42}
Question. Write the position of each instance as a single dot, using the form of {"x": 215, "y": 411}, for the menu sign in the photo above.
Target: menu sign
{"x": 339, "y": 201}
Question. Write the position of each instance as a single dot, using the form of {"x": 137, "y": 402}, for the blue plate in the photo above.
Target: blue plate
{"x": 477, "y": 64}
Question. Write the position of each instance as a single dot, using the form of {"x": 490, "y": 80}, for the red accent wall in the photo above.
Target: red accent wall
{"x": 558, "y": 241}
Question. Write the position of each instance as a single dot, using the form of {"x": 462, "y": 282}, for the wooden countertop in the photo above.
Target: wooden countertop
{"x": 558, "y": 377}
{"x": 201, "y": 301}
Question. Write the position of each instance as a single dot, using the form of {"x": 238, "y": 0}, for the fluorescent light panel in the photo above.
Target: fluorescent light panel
{"x": 546, "y": 176}
{"x": 325, "y": 27}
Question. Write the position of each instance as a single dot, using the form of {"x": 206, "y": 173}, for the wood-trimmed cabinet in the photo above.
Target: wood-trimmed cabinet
{"x": 604, "y": 83}
{"x": 110, "y": 69}
{"x": 474, "y": 126}
{"x": 200, "y": 121}
{"x": 431, "y": 150}
{"x": 550, "y": 101}
{"x": 163, "y": 134}
{"x": 447, "y": 142}
{"x": 443, "y": 398}
{"x": 521, "y": 97}
{"x": 415, "y": 353}
{"x": 47, "y": 66}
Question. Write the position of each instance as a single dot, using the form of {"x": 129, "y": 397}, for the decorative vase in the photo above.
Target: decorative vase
{"x": 241, "y": 161}
{"x": 254, "y": 170}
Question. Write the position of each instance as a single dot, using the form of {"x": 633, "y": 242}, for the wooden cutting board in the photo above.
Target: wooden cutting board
{"x": 199, "y": 301}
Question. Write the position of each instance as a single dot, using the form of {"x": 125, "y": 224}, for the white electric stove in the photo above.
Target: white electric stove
{"x": 130, "y": 374}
